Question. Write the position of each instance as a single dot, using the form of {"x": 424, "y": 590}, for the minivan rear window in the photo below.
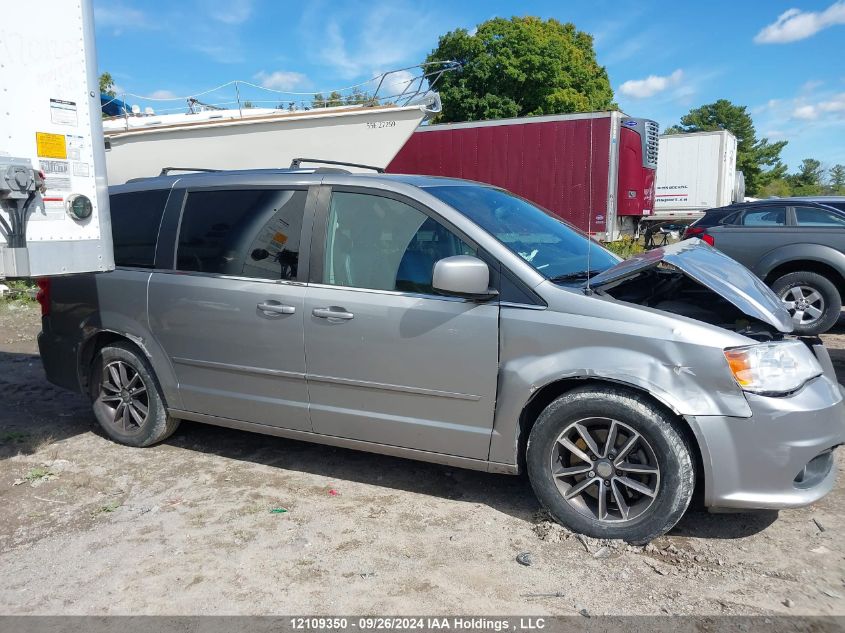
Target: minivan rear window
{"x": 242, "y": 232}
{"x": 135, "y": 220}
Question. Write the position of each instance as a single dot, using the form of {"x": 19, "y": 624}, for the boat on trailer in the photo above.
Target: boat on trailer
{"x": 208, "y": 137}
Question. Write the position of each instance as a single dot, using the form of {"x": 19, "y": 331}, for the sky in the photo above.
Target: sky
{"x": 783, "y": 59}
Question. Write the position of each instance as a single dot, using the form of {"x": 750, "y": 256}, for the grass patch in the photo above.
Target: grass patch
{"x": 625, "y": 247}
{"x": 37, "y": 473}
{"x": 21, "y": 291}
{"x": 13, "y": 437}
{"x": 108, "y": 508}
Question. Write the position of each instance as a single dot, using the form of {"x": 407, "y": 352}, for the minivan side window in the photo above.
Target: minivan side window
{"x": 135, "y": 220}
{"x": 813, "y": 216}
{"x": 767, "y": 216}
{"x": 242, "y": 232}
{"x": 384, "y": 244}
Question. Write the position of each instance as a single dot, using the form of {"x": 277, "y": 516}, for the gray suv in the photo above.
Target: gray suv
{"x": 796, "y": 245}
{"x": 451, "y": 322}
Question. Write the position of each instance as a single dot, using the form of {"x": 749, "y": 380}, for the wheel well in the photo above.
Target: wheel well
{"x": 811, "y": 266}
{"x": 93, "y": 345}
{"x": 549, "y": 393}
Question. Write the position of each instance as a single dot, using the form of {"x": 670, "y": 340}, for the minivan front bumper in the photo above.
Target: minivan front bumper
{"x": 780, "y": 457}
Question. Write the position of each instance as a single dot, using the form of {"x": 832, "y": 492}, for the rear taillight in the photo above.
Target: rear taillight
{"x": 708, "y": 238}
{"x": 43, "y": 295}
{"x": 693, "y": 231}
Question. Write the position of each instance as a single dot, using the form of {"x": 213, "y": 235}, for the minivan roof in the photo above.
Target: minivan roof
{"x": 167, "y": 181}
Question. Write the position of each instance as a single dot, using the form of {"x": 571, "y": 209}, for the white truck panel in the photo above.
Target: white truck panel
{"x": 50, "y": 116}
{"x": 695, "y": 172}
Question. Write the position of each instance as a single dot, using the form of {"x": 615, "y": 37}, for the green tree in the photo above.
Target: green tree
{"x": 777, "y": 188}
{"x": 753, "y": 155}
{"x": 520, "y": 66}
{"x": 334, "y": 99}
{"x": 358, "y": 97}
{"x": 807, "y": 181}
{"x": 836, "y": 175}
{"x": 107, "y": 85}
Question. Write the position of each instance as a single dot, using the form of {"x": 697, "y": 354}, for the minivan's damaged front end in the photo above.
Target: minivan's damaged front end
{"x": 706, "y": 338}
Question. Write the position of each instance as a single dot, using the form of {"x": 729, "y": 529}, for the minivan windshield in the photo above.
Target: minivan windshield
{"x": 554, "y": 248}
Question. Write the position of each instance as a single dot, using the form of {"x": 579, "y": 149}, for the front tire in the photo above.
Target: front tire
{"x": 813, "y": 301}
{"x": 608, "y": 463}
{"x": 126, "y": 398}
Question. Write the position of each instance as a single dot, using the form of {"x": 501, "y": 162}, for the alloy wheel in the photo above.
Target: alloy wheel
{"x": 804, "y": 303}
{"x": 124, "y": 394}
{"x": 605, "y": 470}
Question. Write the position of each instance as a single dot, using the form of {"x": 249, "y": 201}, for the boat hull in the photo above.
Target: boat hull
{"x": 368, "y": 136}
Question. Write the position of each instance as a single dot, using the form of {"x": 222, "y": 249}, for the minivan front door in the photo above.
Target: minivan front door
{"x": 388, "y": 360}
{"x": 230, "y": 316}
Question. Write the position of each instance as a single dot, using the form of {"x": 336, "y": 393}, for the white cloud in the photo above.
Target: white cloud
{"x": 651, "y": 85}
{"x": 357, "y": 37}
{"x": 163, "y": 94}
{"x": 395, "y": 83}
{"x": 281, "y": 80}
{"x": 811, "y": 84}
{"x": 834, "y": 107}
{"x": 806, "y": 112}
{"x": 231, "y": 11}
{"x": 119, "y": 17}
{"x": 794, "y": 24}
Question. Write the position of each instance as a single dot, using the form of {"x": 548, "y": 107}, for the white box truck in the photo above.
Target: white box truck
{"x": 54, "y": 212}
{"x": 695, "y": 172}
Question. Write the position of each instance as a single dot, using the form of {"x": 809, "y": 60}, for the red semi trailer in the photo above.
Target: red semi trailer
{"x": 595, "y": 170}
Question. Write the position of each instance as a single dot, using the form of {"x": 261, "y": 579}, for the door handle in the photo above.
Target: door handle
{"x": 332, "y": 313}
{"x": 274, "y": 307}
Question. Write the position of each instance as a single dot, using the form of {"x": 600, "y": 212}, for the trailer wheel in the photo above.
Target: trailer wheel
{"x": 126, "y": 398}
{"x": 608, "y": 463}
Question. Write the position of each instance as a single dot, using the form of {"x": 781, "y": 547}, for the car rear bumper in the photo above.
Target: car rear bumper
{"x": 59, "y": 358}
{"x": 780, "y": 457}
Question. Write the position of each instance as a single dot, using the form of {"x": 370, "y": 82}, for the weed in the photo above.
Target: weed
{"x": 111, "y": 506}
{"x": 21, "y": 291}
{"x": 39, "y": 472}
{"x": 13, "y": 437}
{"x": 625, "y": 247}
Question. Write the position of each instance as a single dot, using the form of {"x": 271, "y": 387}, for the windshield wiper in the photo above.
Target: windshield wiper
{"x": 577, "y": 275}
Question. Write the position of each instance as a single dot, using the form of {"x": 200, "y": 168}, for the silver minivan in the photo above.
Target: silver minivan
{"x": 452, "y": 322}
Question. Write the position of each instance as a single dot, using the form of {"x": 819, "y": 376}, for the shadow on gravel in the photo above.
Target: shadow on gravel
{"x": 507, "y": 494}
{"x": 703, "y": 524}
{"x": 34, "y": 412}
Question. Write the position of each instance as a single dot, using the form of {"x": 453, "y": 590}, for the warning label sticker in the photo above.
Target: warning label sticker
{"x": 51, "y": 145}
{"x": 57, "y": 183}
{"x": 53, "y": 166}
{"x": 81, "y": 169}
{"x": 63, "y": 112}
{"x": 76, "y": 147}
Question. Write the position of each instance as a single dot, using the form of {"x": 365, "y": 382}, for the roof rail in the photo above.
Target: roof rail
{"x": 296, "y": 162}
{"x": 165, "y": 171}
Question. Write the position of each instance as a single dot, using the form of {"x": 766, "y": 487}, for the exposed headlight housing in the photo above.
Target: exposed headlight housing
{"x": 772, "y": 368}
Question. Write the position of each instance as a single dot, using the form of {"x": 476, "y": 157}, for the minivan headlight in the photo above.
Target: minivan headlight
{"x": 772, "y": 368}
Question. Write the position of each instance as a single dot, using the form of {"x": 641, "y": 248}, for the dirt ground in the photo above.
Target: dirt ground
{"x": 195, "y": 526}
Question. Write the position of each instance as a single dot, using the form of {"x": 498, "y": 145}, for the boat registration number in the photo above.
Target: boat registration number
{"x": 377, "y": 125}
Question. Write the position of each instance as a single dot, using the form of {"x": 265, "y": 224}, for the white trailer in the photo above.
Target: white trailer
{"x": 54, "y": 213}
{"x": 695, "y": 172}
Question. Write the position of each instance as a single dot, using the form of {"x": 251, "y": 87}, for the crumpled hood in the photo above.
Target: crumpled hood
{"x": 710, "y": 268}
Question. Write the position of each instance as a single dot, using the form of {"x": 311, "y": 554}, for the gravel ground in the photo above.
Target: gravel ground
{"x": 196, "y": 526}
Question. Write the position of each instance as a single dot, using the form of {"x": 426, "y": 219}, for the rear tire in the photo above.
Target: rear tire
{"x": 126, "y": 397}
{"x": 646, "y": 487}
{"x": 804, "y": 294}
